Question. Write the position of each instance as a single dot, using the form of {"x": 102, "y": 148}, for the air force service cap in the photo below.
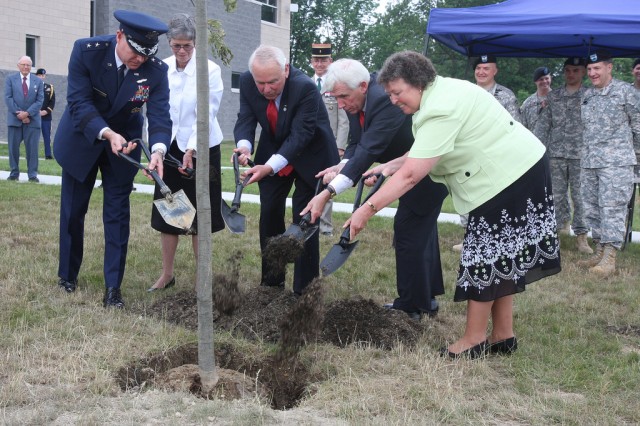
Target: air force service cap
{"x": 141, "y": 31}
{"x": 484, "y": 59}
{"x": 41, "y": 71}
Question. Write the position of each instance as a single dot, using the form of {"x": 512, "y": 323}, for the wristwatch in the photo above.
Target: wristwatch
{"x": 332, "y": 191}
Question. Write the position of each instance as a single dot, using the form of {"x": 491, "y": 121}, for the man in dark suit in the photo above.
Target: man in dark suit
{"x": 380, "y": 132}
{"x": 46, "y": 111}
{"x": 110, "y": 79}
{"x": 296, "y": 142}
{"x": 23, "y": 95}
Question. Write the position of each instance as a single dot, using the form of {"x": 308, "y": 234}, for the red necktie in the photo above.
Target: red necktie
{"x": 272, "y": 116}
{"x": 362, "y": 119}
{"x": 25, "y": 89}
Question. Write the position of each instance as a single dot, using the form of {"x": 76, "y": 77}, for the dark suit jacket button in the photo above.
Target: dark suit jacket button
{"x": 467, "y": 174}
{"x": 511, "y": 122}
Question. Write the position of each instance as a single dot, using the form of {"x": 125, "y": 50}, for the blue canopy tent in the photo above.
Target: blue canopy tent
{"x": 540, "y": 28}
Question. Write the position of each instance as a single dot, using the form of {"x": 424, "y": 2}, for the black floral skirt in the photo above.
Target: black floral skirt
{"x": 510, "y": 240}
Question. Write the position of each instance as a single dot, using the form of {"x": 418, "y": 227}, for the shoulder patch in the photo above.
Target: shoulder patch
{"x": 158, "y": 63}
{"x": 89, "y": 44}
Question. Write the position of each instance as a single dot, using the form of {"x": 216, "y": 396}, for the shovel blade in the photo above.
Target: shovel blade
{"x": 178, "y": 212}
{"x": 336, "y": 257}
{"x": 302, "y": 233}
{"x": 235, "y": 221}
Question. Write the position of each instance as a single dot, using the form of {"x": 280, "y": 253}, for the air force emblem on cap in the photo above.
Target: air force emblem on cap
{"x": 593, "y": 57}
{"x": 484, "y": 58}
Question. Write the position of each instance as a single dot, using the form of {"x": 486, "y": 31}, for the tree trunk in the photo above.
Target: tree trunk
{"x": 206, "y": 356}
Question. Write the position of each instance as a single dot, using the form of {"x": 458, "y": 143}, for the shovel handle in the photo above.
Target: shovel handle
{"x": 376, "y": 186}
{"x": 235, "y": 204}
{"x": 344, "y": 237}
{"x": 164, "y": 189}
{"x": 305, "y": 220}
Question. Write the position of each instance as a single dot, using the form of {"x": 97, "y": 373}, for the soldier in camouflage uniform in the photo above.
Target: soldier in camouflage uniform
{"x": 635, "y": 70}
{"x": 611, "y": 119}
{"x": 485, "y": 70}
{"x": 533, "y": 106}
{"x": 560, "y": 129}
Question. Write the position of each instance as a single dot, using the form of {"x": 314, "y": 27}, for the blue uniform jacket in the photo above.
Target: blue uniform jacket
{"x": 94, "y": 102}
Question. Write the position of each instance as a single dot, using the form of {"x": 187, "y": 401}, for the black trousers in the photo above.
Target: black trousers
{"x": 418, "y": 266}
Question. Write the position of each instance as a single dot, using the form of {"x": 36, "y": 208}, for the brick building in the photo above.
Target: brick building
{"x": 46, "y": 31}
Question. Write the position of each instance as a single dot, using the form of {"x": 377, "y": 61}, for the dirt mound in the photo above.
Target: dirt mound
{"x": 262, "y": 311}
{"x": 364, "y": 321}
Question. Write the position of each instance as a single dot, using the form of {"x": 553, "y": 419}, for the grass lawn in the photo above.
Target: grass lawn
{"x": 578, "y": 362}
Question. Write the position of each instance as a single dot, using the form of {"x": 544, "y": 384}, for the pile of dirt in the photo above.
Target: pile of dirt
{"x": 263, "y": 310}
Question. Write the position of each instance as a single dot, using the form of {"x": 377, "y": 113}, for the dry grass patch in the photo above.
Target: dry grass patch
{"x": 578, "y": 361}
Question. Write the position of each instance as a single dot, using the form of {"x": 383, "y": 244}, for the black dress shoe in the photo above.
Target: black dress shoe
{"x": 170, "y": 284}
{"x": 416, "y": 316}
{"x": 473, "y": 352}
{"x": 113, "y": 298}
{"x": 434, "y": 307}
{"x": 504, "y": 347}
{"x": 34, "y": 179}
{"x": 68, "y": 286}
{"x": 13, "y": 178}
{"x": 48, "y": 157}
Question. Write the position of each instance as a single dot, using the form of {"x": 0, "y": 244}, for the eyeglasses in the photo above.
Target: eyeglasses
{"x": 186, "y": 47}
{"x": 25, "y": 65}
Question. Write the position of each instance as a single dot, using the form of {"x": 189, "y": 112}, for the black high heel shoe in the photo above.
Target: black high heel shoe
{"x": 474, "y": 352}
{"x": 169, "y": 284}
{"x": 504, "y": 347}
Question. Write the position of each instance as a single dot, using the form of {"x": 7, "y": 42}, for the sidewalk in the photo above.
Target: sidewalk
{"x": 255, "y": 199}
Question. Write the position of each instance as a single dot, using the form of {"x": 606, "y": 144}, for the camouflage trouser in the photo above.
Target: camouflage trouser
{"x": 606, "y": 193}
{"x": 565, "y": 179}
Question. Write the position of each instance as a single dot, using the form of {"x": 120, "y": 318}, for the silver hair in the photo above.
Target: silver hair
{"x": 265, "y": 54}
{"x": 345, "y": 71}
{"x": 182, "y": 27}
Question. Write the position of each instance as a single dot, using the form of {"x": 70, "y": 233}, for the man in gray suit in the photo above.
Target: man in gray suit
{"x": 23, "y": 94}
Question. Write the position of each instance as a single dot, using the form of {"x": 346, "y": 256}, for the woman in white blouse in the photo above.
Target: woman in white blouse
{"x": 183, "y": 107}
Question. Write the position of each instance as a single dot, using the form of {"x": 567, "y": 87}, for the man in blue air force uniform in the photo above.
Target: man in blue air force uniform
{"x": 110, "y": 80}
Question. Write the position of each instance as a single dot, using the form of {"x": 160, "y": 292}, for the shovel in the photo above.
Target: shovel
{"x": 175, "y": 209}
{"x": 285, "y": 248}
{"x": 234, "y": 220}
{"x": 341, "y": 251}
{"x": 304, "y": 229}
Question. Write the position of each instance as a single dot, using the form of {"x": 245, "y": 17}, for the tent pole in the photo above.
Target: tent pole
{"x": 427, "y": 38}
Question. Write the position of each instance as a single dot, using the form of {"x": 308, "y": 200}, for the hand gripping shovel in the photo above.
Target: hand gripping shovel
{"x": 341, "y": 251}
{"x": 304, "y": 229}
{"x": 234, "y": 220}
{"x": 175, "y": 209}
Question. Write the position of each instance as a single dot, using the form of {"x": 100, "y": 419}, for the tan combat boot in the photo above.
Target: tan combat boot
{"x": 564, "y": 229}
{"x": 582, "y": 245}
{"x": 607, "y": 265}
{"x": 594, "y": 259}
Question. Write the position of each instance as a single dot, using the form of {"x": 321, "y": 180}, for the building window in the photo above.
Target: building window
{"x": 235, "y": 81}
{"x": 269, "y": 10}
{"x": 31, "y": 49}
